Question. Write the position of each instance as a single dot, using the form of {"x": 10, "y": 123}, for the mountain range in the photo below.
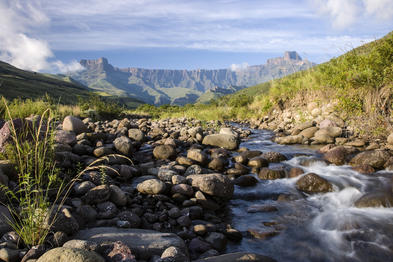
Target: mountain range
{"x": 162, "y": 86}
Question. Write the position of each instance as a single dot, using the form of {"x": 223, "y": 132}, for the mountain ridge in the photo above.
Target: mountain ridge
{"x": 165, "y": 86}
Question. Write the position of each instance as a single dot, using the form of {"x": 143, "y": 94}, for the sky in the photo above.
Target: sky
{"x": 53, "y": 35}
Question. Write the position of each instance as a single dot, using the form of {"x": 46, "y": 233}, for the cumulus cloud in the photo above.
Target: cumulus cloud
{"x": 345, "y": 13}
{"x": 17, "y": 19}
{"x": 239, "y": 67}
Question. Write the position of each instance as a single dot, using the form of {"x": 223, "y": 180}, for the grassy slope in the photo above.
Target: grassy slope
{"x": 16, "y": 83}
{"x": 360, "y": 83}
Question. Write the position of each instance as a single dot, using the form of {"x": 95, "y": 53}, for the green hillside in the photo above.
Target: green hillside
{"x": 16, "y": 83}
{"x": 359, "y": 85}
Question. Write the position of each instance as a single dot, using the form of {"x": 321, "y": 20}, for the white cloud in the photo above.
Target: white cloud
{"x": 17, "y": 19}
{"x": 239, "y": 67}
{"x": 345, "y": 13}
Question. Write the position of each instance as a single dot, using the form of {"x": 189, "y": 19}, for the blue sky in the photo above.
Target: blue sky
{"x": 52, "y": 35}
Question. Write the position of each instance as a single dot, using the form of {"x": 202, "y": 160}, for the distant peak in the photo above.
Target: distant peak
{"x": 99, "y": 63}
{"x": 292, "y": 55}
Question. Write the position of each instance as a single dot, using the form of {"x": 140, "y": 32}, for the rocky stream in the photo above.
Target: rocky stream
{"x": 214, "y": 192}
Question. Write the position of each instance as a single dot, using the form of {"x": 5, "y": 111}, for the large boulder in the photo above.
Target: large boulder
{"x": 124, "y": 145}
{"x": 312, "y": 183}
{"x": 212, "y": 184}
{"x": 151, "y": 187}
{"x": 228, "y": 131}
{"x": 238, "y": 257}
{"x": 144, "y": 243}
{"x": 226, "y": 141}
{"x": 63, "y": 254}
{"x": 164, "y": 152}
{"x": 74, "y": 124}
{"x": 376, "y": 159}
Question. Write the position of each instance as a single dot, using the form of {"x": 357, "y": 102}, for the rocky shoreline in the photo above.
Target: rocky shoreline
{"x": 170, "y": 202}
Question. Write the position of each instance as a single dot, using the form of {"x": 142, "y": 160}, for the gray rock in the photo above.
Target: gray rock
{"x": 213, "y": 184}
{"x": 97, "y": 195}
{"x": 124, "y": 145}
{"x": 289, "y": 140}
{"x": 144, "y": 243}
{"x": 136, "y": 134}
{"x": 164, "y": 152}
{"x": 118, "y": 196}
{"x": 197, "y": 155}
{"x": 217, "y": 240}
{"x": 65, "y": 137}
{"x": 63, "y": 254}
{"x": 376, "y": 159}
{"x": 73, "y": 124}
{"x": 226, "y": 141}
{"x": 379, "y": 199}
{"x": 82, "y": 188}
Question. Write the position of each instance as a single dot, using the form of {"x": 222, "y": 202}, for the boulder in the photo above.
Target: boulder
{"x": 164, "y": 152}
{"x": 258, "y": 162}
{"x": 267, "y": 173}
{"x": 332, "y": 131}
{"x": 65, "y": 137}
{"x": 136, "y": 134}
{"x": 213, "y": 184}
{"x": 4, "y": 216}
{"x": 375, "y": 159}
{"x": 226, "y": 141}
{"x": 245, "y": 181}
{"x": 228, "y": 131}
{"x": 327, "y": 123}
{"x": 174, "y": 254}
{"x": 124, "y": 145}
{"x": 274, "y": 157}
{"x": 63, "y": 254}
{"x": 117, "y": 252}
{"x": 197, "y": 155}
{"x": 74, "y": 124}
{"x": 238, "y": 257}
{"x": 312, "y": 183}
{"x": 336, "y": 155}
{"x": 375, "y": 199}
{"x": 144, "y": 243}
{"x": 151, "y": 187}
{"x": 97, "y": 195}
{"x": 309, "y": 132}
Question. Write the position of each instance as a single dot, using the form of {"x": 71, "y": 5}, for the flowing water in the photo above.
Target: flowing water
{"x": 321, "y": 227}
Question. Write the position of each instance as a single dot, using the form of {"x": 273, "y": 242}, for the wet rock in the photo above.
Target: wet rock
{"x": 106, "y": 210}
{"x": 262, "y": 234}
{"x": 267, "y": 173}
{"x": 364, "y": 169}
{"x": 261, "y": 208}
{"x": 164, "y": 152}
{"x": 116, "y": 252}
{"x": 73, "y": 124}
{"x": 274, "y": 157}
{"x": 124, "y": 145}
{"x": 198, "y": 246}
{"x": 246, "y": 181}
{"x": 200, "y": 229}
{"x": 144, "y": 243}
{"x": 213, "y": 184}
{"x": 87, "y": 213}
{"x": 226, "y": 141}
{"x": 258, "y": 162}
{"x": 136, "y": 134}
{"x": 379, "y": 199}
{"x": 166, "y": 174}
{"x": 133, "y": 219}
{"x": 151, "y": 187}
{"x": 312, "y": 183}
{"x": 239, "y": 257}
{"x": 63, "y": 254}
{"x": 193, "y": 170}
{"x": 97, "y": 195}
{"x": 174, "y": 254}
{"x": 375, "y": 159}
{"x": 336, "y": 155}
{"x": 63, "y": 220}
{"x": 295, "y": 172}
{"x": 183, "y": 189}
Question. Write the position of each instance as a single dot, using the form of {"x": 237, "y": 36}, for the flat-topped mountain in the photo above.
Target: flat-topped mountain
{"x": 161, "y": 86}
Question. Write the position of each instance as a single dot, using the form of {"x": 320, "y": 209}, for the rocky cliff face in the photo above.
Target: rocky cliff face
{"x": 160, "y": 86}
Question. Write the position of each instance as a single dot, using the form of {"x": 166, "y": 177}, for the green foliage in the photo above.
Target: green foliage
{"x": 104, "y": 109}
